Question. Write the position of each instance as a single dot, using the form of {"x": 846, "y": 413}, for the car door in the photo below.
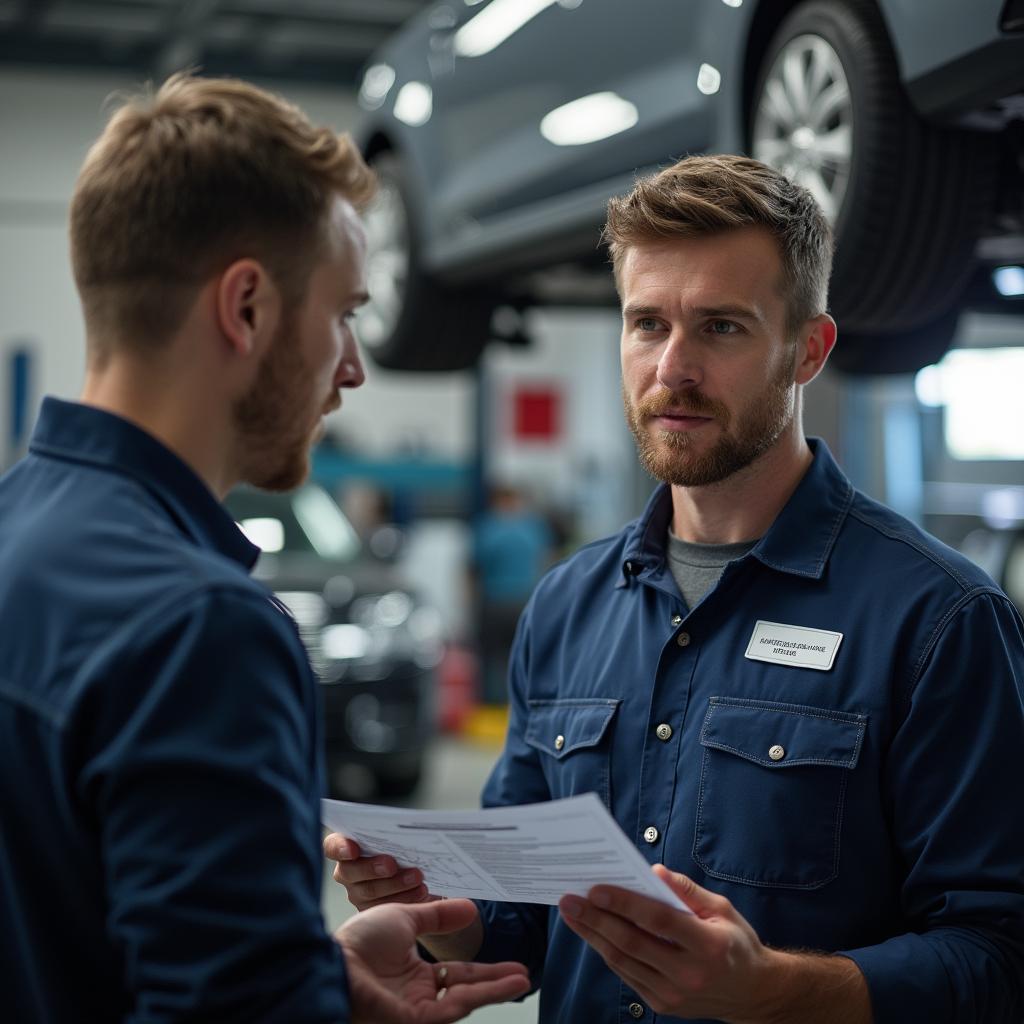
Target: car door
{"x": 512, "y": 63}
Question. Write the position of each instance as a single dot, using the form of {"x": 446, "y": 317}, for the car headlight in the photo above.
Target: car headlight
{"x": 385, "y": 628}
{"x": 388, "y": 611}
{"x": 345, "y": 642}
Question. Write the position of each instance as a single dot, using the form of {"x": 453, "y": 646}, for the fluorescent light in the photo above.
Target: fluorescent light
{"x": 1009, "y": 281}
{"x": 984, "y": 417}
{"x": 709, "y": 79}
{"x": 376, "y": 85}
{"x": 928, "y": 386}
{"x": 589, "y": 119}
{"x": 494, "y": 24}
{"x": 414, "y": 104}
{"x": 733, "y": 3}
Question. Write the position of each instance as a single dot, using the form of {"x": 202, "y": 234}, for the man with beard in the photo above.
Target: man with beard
{"x": 804, "y": 710}
{"x": 160, "y": 769}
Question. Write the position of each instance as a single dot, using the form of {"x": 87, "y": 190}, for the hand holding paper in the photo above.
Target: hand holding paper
{"x": 529, "y": 854}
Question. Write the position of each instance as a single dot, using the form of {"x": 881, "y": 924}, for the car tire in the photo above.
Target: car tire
{"x": 894, "y": 353}
{"x": 915, "y": 196}
{"x": 398, "y": 787}
{"x": 412, "y": 322}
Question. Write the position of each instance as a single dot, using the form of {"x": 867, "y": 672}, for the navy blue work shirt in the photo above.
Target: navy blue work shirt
{"x": 159, "y": 764}
{"x": 871, "y": 809}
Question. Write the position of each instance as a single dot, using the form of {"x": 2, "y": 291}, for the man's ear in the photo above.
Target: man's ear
{"x": 815, "y": 341}
{"x": 248, "y": 306}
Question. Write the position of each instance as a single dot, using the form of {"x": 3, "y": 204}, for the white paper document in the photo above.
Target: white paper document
{"x": 534, "y": 853}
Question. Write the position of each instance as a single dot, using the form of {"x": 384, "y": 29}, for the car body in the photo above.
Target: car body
{"x": 502, "y": 127}
{"x": 374, "y": 647}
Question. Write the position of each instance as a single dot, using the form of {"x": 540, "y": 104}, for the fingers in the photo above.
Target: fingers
{"x": 407, "y": 887}
{"x": 468, "y": 986}
{"x": 372, "y": 880}
{"x": 442, "y": 916}
{"x": 701, "y": 901}
{"x": 623, "y": 945}
{"x": 339, "y": 847}
{"x": 640, "y": 976}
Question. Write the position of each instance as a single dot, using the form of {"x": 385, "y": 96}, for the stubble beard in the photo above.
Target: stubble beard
{"x": 272, "y": 420}
{"x": 672, "y": 456}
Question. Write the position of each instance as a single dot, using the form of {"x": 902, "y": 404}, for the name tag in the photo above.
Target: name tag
{"x": 780, "y": 644}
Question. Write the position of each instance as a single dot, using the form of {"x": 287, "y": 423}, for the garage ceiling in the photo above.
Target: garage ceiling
{"x": 324, "y": 41}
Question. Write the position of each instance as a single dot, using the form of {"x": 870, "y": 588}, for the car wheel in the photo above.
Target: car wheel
{"x": 907, "y": 199}
{"x": 897, "y": 352}
{"x": 399, "y": 786}
{"x": 411, "y": 321}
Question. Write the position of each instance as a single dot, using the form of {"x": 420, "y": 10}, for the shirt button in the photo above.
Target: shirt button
{"x": 560, "y": 742}
{"x": 663, "y": 732}
{"x": 776, "y": 753}
{"x": 683, "y": 639}
{"x": 677, "y": 620}
{"x": 636, "y": 1010}
{"x": 651, "y": 834}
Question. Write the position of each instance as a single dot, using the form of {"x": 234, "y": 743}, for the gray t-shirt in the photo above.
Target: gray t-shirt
{"x": 698, "y": 567}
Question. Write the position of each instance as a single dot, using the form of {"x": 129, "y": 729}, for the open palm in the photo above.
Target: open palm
{"x": 389, "y": 981}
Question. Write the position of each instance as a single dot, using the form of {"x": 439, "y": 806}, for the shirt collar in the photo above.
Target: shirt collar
{"x": 798, "y": 542}
{"x": 83, "y": 433}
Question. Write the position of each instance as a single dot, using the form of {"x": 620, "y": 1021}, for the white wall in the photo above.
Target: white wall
{"x": 591, "y": 468}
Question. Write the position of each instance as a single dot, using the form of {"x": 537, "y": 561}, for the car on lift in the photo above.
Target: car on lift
{"x": 374, "y": 647}
{"x": 500, "y": 128}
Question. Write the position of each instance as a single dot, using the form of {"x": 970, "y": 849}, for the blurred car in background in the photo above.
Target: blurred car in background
{"x": 997, "y": 545}
{"x": 500, "y": 128}
{"x": 374, "y": 647}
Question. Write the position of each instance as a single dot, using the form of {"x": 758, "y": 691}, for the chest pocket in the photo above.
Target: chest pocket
{"x": 772, "y": 787}
{"x": 571, "y": 737}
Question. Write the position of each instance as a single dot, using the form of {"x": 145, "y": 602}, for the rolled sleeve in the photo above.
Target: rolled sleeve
{"x": 954, "y": 762}
{"x": 204, "y": 784}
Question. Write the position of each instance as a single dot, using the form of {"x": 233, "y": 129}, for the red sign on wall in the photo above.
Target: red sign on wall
{"x": 537, "y": 413}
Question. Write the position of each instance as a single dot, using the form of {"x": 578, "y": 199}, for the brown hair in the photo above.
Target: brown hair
{"x": 184, "y": 182}
{"x": 705, "y": 195}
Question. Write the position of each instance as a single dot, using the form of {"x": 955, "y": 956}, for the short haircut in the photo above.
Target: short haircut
{"x": 184, "y": 182}
{"x": 707, "y": 195}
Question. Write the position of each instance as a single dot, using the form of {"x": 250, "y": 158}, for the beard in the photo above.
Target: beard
{"x": 272, "y": 420}
{"x": 674, "y": 458}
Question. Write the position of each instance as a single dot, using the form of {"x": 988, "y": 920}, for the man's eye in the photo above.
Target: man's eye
{"x": 723, "y": 327}
{"x": 647, "y": 324}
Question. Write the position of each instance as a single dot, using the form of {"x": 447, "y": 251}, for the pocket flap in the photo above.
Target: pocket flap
{"x": 558, "y": 727}
{"x": 783, "y": 735}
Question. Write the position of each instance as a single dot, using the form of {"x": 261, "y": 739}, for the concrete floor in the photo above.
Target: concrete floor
{"x": 456, "y": 774}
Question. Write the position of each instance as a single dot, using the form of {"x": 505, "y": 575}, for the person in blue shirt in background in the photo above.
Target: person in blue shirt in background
{"x": 512, "y": 546}
{"x": 160, "y": 761}
{"x": 806, "y": 712}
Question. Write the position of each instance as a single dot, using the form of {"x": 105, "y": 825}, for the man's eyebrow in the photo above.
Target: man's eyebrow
{"x": 702, "y": 312}
{"x": 733, "y": 312}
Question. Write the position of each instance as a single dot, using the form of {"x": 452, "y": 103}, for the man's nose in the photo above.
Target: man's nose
{"x": 678, "y": 365}
{"x": 351, "y": 373}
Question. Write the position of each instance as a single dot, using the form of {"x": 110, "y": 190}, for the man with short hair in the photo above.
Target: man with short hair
{"x": 160, "y": 768}
{"x": 806, "y": 712}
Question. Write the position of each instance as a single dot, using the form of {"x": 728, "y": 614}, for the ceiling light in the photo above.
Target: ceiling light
{"x": 709, "y": 79}
{"x": 414, "y": 104}
{"x": 376, "y": 85}
{"x": 494, "y": 24}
